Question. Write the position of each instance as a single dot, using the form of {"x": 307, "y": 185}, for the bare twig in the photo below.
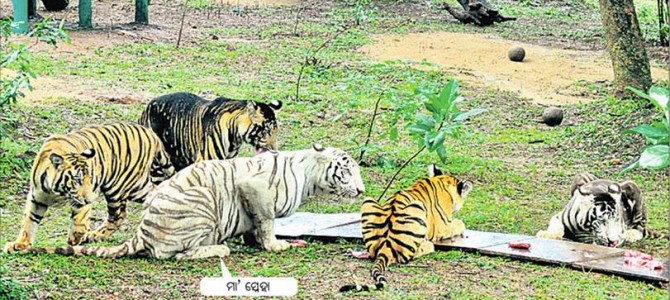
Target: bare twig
{"x": 297, "y": 17}
{"x": 403, "y": 166}
{"x": 181, "y": 27}
{"x": 398, "y": 172}
{"x": 304, "y": 65}
{"x": 372, "y": 123}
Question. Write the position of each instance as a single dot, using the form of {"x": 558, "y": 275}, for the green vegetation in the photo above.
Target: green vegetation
{"x": 654, "y": 156}
{"x": 15, "y": 56}
{"x": 521, "y": 169}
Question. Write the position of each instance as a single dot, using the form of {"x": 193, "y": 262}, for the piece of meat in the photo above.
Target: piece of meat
{"x": 299, "y": 243}
{"x": 640, "y": 259}
{"x": 359, "y": 254}
{"x": 519, "y": 245}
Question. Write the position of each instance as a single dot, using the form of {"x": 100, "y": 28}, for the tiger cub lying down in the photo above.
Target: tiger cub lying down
{"x": 602, "y": 212}
{"x": 404, "y": 227}
{"x": 193, "y": 214}
{"x": 119, "y": 162}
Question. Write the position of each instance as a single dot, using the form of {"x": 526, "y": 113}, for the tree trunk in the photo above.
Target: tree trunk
{"x": 479, "y": 12}
{"x": 625, "y": 45}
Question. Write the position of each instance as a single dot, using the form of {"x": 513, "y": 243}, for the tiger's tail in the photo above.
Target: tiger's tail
{"x": 378, "y": 274}
{"x": 128, "y": 248}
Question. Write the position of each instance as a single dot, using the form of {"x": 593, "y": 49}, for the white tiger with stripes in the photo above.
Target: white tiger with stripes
{"x": 602, "y": 212}
{"x": 192, "y": 214}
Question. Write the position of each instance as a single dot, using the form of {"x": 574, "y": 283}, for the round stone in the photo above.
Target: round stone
{"x": 516, "y": 54}
{"x": 552, "y": 116}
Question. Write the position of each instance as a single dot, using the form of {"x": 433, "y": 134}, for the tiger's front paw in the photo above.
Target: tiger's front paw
{"x": 633, "y": 235}
{"x": 76, "y": 238}
{"x": 277, "y": 245}
{"x": 548, "y": 235}
{"x": 17, "y": 246}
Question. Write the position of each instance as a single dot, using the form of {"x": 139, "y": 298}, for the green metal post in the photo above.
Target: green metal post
{"x": 85, "y": 14}
{"x": 32, "y": 8}
{"x": 142, "y": 11}
{"x": 20, "y": 23}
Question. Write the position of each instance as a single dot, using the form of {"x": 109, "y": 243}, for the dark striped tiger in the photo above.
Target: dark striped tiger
{"x": 192, "y": 214}
{"x": 118, "y": 162}
{"x": 404, "y": 227}
{"x": 602, "y": 212}
{"x": 194, "y": 129}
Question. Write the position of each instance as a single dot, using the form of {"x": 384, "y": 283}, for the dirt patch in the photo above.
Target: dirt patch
{"x": 48, "y": 88}
{"x": 258, "y": 2}
{"x": 546, "y": 76}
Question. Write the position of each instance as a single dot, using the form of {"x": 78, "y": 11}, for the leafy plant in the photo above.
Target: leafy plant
{"x": 655, "y": 154}
{"x": 15, "y": 56}
{"x": 445, "y": 121}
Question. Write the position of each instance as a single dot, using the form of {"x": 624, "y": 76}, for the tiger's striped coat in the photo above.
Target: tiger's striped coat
{"x": 119, "y": 162}
{"x": 192, "y": 214}
{"x": 404, "y": 227}
{"x": 193, "y": 129}
{"x": 601, "y": 212}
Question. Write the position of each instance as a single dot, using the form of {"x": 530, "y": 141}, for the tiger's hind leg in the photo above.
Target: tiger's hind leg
{"x": 204, "y": 252}
{"x": 556, "y": 230}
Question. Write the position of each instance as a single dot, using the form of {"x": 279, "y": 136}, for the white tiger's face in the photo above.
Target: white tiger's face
{"x": 604, "y": 212}
{"x": 342, "y": 175}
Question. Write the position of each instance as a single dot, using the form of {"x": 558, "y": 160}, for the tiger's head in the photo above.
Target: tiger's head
{"x": 263, "y": 129}
{"x": 602, "y": 199}
{"x": 341, "y": 176}
{"x": 71, "y": 176}
{"x": 458, "y": 189}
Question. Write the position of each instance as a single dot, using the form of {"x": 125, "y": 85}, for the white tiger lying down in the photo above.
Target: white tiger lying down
{"x": 601, "y": 212}
{"x": 192, "y": 214}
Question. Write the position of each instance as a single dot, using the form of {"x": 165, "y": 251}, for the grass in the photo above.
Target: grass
{"x": 521, "y": 169}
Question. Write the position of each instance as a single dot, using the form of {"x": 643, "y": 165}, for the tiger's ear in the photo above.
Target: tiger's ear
{"x": 88, "y": 153}
{"x": 253, "y": 114}
{"x": 631, "y": 193}
{"x": 275, "y": 104}
{"x": 464, "y": 187}
{"x": 614, "y": 188}
{"x": 434, "y": 171}
{"x": 579, "y": 180}
{"x": 318, "y": 147}
{"x": 56, "y": 160}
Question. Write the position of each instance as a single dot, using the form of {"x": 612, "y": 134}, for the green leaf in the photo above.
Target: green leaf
{"x": 632, "y": 166}
{"x": 393, "y": 134}
{"x": 424, "y": 121}
{"x": 442, "y": 154}
{"x": 659, "y": 96}
{"x": 471, "y": 113}
{"x": 656, "y": 134}
{"x": 416, "y": 129}
{"x": 655, "y": 157}
{"x": 437, "y": 141}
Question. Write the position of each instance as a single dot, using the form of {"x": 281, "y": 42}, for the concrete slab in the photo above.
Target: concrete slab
{"x": 304, "y": 223}
{"x": 553, "y": 251}
{"x": 479, "y": 239}
{"x": 576, "y": 255}
{"x": 616, "y": 265}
